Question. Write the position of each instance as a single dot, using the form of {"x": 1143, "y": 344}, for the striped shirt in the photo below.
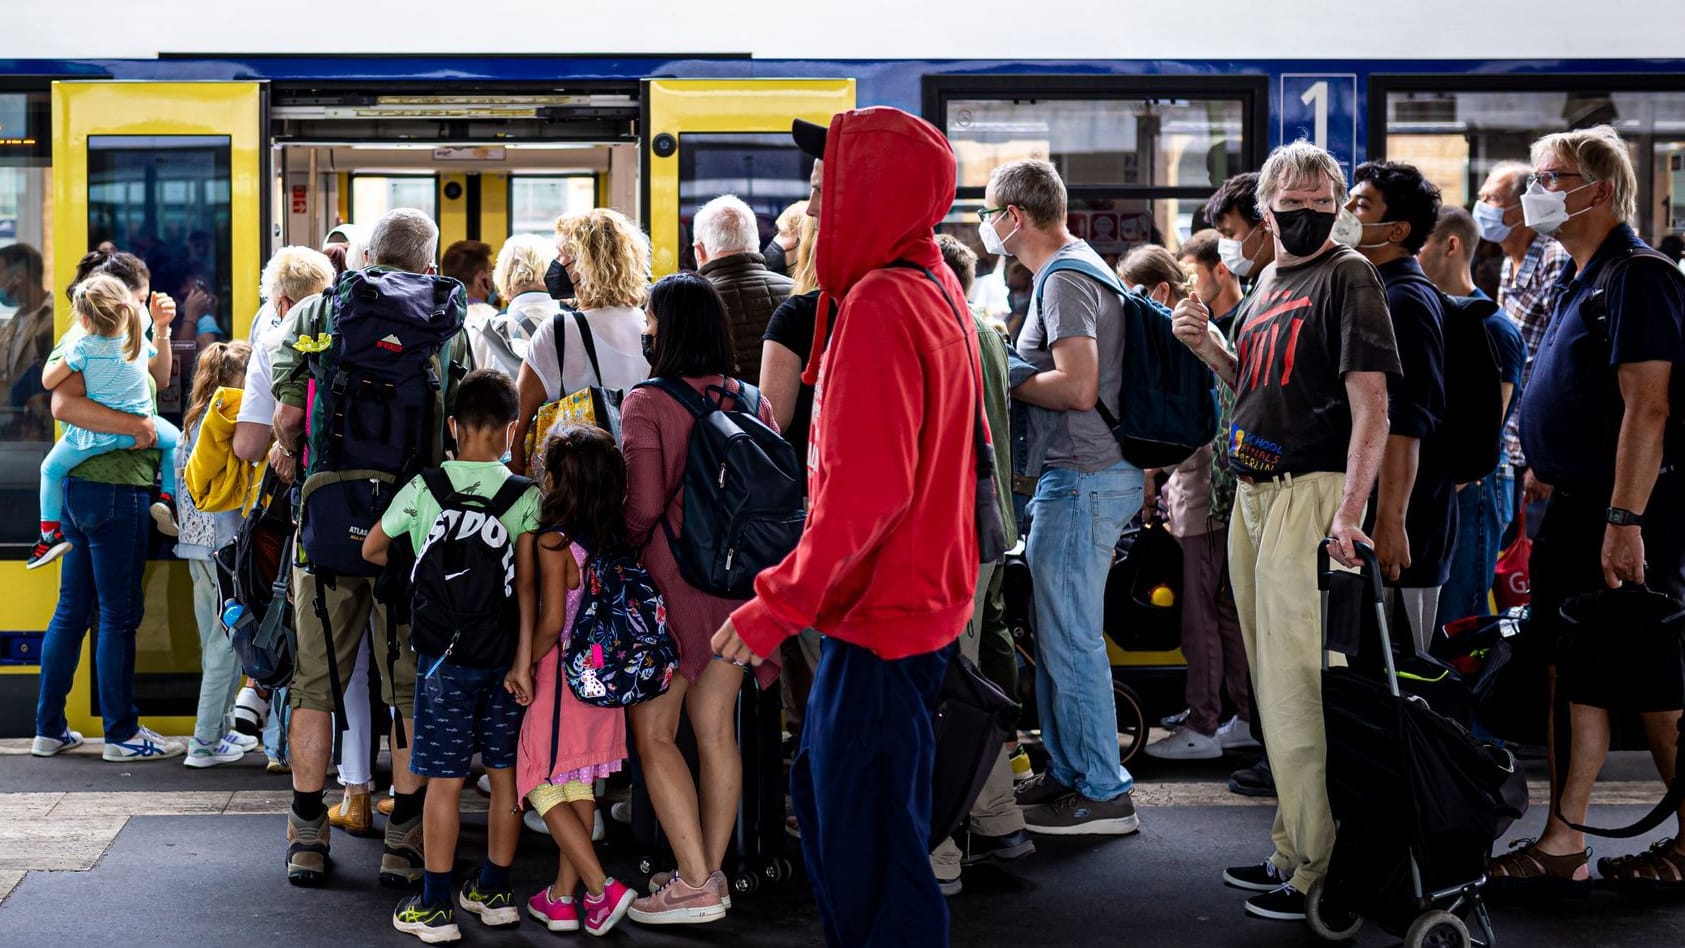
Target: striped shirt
{"x": 1526, "y": 294}
{"x": 112, "y": 380}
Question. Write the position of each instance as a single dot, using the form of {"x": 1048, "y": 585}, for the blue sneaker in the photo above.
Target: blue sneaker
{"x": 147, "y": 744}
{"x": 50, "y": 746}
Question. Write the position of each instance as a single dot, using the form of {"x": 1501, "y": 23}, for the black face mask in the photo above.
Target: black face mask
{"x": 1304, "y": 231}
{"x": 648, "y": 345}
{"x": 557, "y": 282}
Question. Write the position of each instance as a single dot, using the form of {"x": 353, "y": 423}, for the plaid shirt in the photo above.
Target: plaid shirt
{"x": 1528, "y": 297}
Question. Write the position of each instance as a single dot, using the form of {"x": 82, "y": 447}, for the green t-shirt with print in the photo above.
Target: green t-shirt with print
{"x": 415, "y": 508}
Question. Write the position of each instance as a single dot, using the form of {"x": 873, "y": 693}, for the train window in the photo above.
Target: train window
{"x": 1456, "y": 136}
{"x": 374, "y": 194}
{"x": 26, "y": 305}
{"x": 767, "y": 171}
{"x": 166, "y": 199}
{"x": 1146, "y": 142}
{"x": 535, "y": 201}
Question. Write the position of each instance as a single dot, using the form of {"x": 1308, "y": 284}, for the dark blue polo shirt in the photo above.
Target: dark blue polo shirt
{"x": 1512, "y": 351}
{"x": 1570, "y": 415}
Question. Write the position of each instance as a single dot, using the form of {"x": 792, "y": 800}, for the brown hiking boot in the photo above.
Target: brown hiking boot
{"x": 307, "y": 850}
{"x": 353, "y": 815}
{"x": 401, "y": 863}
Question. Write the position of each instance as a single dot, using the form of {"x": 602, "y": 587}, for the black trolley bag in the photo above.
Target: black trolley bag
{"x": 758, "y": 840}
{"x": 1416, "y": 800}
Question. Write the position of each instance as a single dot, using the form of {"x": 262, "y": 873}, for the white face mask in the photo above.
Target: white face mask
{"x": 1490, "y": 219}
{"x": 1348, "y": 230}
{"x": 1233, "y": 254}
{"x": 1546, "y": 211}
{"x": 993, "y": 242}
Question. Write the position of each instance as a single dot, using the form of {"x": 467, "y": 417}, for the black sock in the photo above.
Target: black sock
{"x": 308, "y": 805}
{"x": 406, "y": 806}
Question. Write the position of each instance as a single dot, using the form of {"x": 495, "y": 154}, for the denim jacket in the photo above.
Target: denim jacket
{"x": 1028, "y": 452}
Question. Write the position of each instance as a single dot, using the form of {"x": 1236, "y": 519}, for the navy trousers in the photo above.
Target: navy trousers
{"x": 861, "y": 788}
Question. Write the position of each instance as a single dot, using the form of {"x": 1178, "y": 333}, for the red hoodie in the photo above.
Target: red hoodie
{"x": 889, "y": 557}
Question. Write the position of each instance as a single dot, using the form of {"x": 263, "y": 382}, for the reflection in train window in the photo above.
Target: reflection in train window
{"x": 767, "y": 171}
{"x": 372, "y": 195}
{"x": 535, "y": 201}
{"x": 26, "y": 305}
{"x": 166, "y": 199}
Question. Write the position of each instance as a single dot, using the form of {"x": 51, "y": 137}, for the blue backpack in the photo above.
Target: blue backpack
{"x": 619, "y": 652}
{"x": 1167, "y": 405}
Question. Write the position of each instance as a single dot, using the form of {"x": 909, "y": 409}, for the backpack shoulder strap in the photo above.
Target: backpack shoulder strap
{"x": 681, "y": 393}
{"x": 439, "y": 484}
{"x": 1078, "y": 265}
{"x": 1594, "y": 312}
{"x": 590, "y": 342}
{"x": 558, "y": 323}
{"x": 514, "y": 486}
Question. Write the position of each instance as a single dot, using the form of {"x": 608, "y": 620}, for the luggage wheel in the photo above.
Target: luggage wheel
{"x": 1437, "y": 929}
{"x": 1327, "y": 919}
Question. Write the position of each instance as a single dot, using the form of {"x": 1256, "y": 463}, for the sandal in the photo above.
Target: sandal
{"x": 1659, "y": 868}
{"x": 1526, "y": 868}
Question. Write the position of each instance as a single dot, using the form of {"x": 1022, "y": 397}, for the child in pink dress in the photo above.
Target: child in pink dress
{"x": 566, "y": 744}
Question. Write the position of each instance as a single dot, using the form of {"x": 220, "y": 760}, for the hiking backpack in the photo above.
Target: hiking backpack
{"x": 619, "y": 651}
{"x": 462, "y": 587}
{"x": 743, "y": 487}
{"x": 1472, "y": 427}
{"x": 1167, "y": 404}
{"x": 377, "y": 407}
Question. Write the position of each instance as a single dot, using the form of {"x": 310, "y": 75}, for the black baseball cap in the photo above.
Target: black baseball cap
{"x": 810, "y": 138}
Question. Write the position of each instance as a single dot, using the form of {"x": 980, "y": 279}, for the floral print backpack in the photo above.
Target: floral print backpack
{"x": 619, "y": 652}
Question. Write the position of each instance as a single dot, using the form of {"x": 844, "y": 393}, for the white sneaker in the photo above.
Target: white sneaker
{"x": 147, "y": 744}
{"x": 246, "y": 742}
{"x": 598, "y": 830}
{"x": 251, "y": 711}
{"x": 165, "y": 518}
{"x": 201, "y": 754}
{"x": 1185, "y": 744}
{"x": 621, "y": 811}
{"x": 49, "y": 746}
{"x": 484, "y": 785}
{"x": 1170, "y": 722}
{"x": 533, "y": 822}
{"x": 1236, "y": 735}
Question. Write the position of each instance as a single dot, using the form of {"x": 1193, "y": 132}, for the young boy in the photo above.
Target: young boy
{"x": 468, "y": 691}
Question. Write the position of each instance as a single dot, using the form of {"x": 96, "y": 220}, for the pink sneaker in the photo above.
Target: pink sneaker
{"x": 605, "y": 911}
{"x": 679, "y": 903}
{"x": 716, "y": 881}
{"x": 558, "y": 915}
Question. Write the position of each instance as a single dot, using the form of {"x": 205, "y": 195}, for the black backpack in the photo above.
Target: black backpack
{"x": 743, "y": 490}
{"x": 1471, "y": 430}
{"x": 464, "y": 577}
{"x": 377, "y": 409}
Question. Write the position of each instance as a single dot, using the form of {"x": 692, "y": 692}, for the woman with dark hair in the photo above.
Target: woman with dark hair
{"x": 687, "y": 339}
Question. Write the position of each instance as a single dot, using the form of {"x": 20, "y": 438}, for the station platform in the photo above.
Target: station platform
{"x": 159, "y": 855}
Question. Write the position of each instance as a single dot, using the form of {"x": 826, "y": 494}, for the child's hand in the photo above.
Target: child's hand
{"x": 519, "y": 683}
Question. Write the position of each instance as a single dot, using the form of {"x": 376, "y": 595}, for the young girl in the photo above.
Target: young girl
{"x": 109, "y": 357}
{"x": 565, "y": 743}
{"x": 221, "y": 365}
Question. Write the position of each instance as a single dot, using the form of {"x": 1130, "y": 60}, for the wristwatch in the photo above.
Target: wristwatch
{"x": 1622, "y": 517}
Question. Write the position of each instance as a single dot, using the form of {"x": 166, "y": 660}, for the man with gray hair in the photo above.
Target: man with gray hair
{"x": 1315, "y": 347}
{"x": 1085, "y": 492}
{"x": 726, "y": 238}
{"x": 333, "y": 612}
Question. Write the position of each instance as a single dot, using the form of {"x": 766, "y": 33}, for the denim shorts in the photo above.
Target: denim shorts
{"x": 458, "y": 712}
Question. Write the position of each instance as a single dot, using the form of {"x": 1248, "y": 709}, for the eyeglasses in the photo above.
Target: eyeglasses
{"x": 1549, "y": 178}
{"x": 984, "y": 213}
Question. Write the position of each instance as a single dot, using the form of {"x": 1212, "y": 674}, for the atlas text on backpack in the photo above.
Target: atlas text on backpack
{"x": 463, "y": 606}
{"x": 619, "y": 651}
{"x": 743, "y": 509}
{"x": 376, "y": 417}
{"x": 1167, "y": 405}
{"x": 1473, "y": 425}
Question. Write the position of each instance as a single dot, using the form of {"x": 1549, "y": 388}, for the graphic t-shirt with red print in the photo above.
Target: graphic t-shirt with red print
{"x": 1301, "y": 329}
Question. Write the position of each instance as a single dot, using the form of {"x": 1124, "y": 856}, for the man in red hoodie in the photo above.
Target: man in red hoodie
{"x": 887, "y": 566}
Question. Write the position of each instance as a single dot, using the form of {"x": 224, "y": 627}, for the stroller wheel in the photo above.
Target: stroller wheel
{"x": 1437, "y": 929}
{"x": 1328, "y": 919}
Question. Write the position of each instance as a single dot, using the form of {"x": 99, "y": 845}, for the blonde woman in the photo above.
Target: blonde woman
{"x": 503, "y": 340}
{"x": 606, "y": 257}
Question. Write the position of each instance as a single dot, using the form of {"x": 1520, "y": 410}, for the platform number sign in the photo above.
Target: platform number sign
{"x": 1322, "y": 109}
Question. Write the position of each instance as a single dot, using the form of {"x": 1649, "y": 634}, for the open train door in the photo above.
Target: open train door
{"x": 173, "y": 172}
{"x": 706, "y": 137}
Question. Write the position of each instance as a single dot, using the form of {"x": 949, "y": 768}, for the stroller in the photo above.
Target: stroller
{"x": 1417, "y": 801}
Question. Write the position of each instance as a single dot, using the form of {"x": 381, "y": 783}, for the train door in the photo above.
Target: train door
{"x": 707, "y": 137}
{"x": 173, "y": 173}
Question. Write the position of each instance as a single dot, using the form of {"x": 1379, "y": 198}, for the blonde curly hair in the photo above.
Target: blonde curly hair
{"x": 610, "y": 255}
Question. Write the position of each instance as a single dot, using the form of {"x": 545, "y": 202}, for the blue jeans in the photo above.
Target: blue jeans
{"x": 106, "y": 525}
{"x": 860, "y": 785}
{"x": 275, "y": 730}
{"x": 1484, "y": 510}
{"x": 1078, "y": 519}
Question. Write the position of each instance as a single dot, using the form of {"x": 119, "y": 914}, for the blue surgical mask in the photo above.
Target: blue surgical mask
{"x": 1490, "y": 219}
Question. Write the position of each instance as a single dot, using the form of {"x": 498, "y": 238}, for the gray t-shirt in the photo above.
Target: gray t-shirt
{"x": 1075, "y": 305}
